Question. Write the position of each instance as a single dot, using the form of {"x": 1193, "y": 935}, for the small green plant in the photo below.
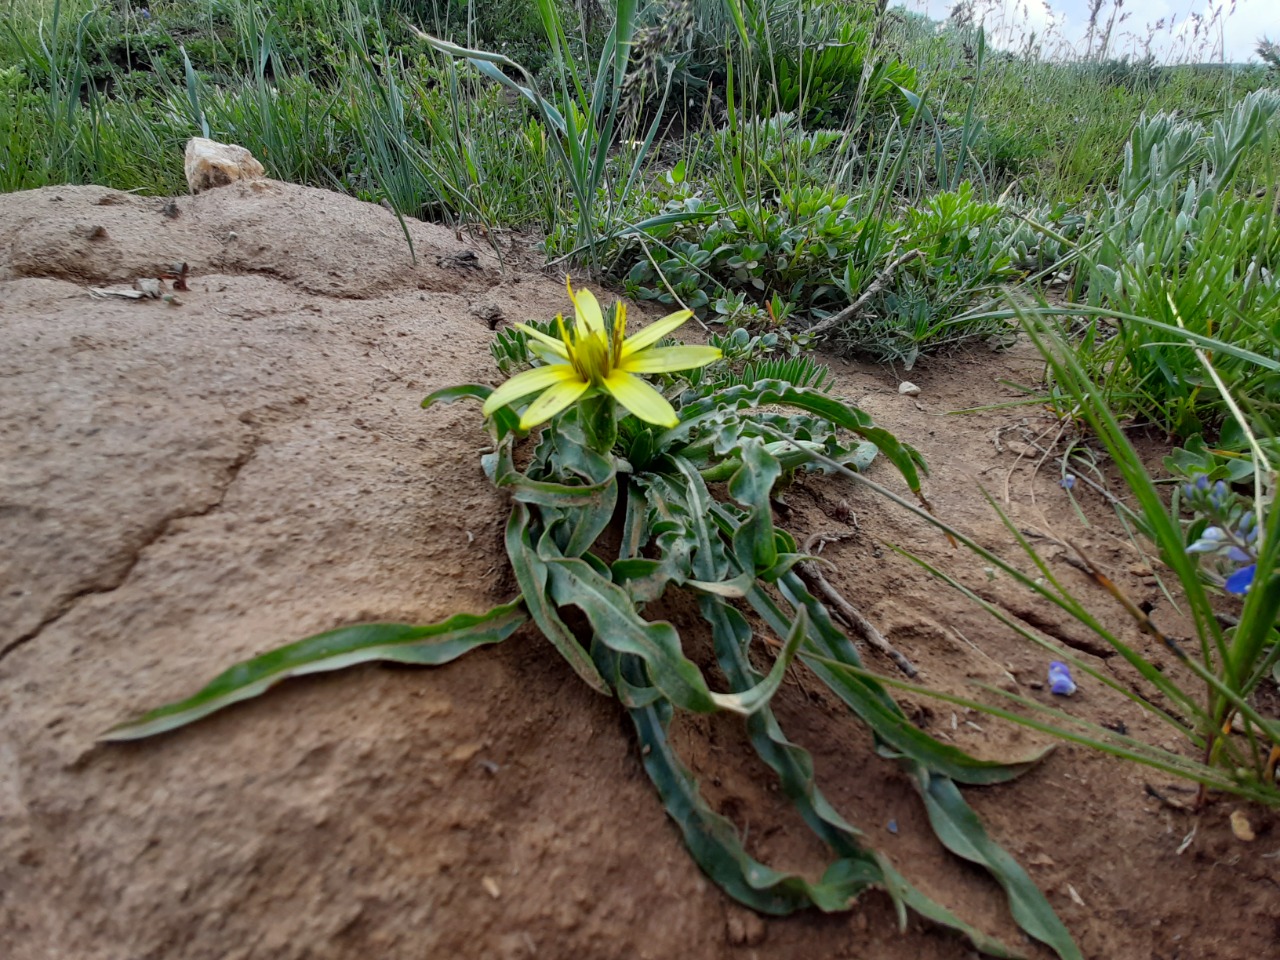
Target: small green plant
{"x": 1182, "y": 248}
{"x": 655, "y": 466}
{"x": 821, "y": 79}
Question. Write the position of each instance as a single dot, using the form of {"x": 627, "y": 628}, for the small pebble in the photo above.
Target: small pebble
{"x": 908, "y": 389}
{"x": 1241, "y": 827}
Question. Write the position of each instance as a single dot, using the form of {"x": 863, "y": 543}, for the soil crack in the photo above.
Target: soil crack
{"x": 1046, "y": 624}
{"x": 154, "y": 534}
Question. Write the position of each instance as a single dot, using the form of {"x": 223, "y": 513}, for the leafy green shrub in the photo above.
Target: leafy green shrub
{"x": 1182, "y": 250}
{"x": 796, "y": 248}
{"x": 813, "y": 252}
{"x": 821, "y": 79}
{"x": 1141, "y": 76}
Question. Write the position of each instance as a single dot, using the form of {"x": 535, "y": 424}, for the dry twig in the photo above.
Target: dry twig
{"x": 875, "y": 287}
{"x": 846, "y": 612}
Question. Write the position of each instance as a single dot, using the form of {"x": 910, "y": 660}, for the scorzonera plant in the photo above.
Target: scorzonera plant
{"x": 631, "y": 492}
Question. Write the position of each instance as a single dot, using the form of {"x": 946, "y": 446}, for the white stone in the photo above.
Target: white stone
{"x": 211, "y": 164}
{"x": 909, "y": 389}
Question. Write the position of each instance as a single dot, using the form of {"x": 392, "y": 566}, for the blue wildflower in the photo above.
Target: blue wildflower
{"x": 1068, "y": 482}
{"x": 1209, "y": 541}
{"x": 1220, "y": 494}
{"x": 1238, "y": 555}
{"x": 1060, "y": 681}
{"x": 1240, "y": 581}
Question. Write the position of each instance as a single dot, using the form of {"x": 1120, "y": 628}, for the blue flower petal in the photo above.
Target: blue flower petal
{"x": 1240, "y": 581}
{"x": 1060, "y": 681}
{"x": 1238, "y": 555}
{"x": 1209, "y": 541}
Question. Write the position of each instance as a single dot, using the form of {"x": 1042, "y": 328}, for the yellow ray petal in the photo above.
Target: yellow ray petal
{"x": 586, "y": 310}
{"x": 552, "y": 342}
{"x": 654, "y": 332}
{"x": 640, "y": 398}
{"x": 552, "y": 402}
{"x": 523, "y": 384}
{"x": 666, "y": 359}
{"x": 619, "y": 336}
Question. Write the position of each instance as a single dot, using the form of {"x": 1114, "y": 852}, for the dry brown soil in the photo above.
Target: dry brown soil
{"x": 182, "y": 486}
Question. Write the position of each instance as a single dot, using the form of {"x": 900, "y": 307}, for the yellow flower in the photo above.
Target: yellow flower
{"x": 590, "y": 357}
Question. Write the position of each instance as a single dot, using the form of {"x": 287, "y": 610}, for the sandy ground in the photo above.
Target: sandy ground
{"x": 185, "y": 485}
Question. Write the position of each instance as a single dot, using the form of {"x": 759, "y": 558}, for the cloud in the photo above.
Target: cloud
{"x": 1171, "y": 30}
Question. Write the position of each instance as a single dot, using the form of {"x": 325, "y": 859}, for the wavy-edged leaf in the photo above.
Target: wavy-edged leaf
{"x": 532, "y": 575}
{"x": 906, "y": 458}
{"x": 506, "y": 420}
{"x": 903, "y": 892}
{"x": 546, "y": 493}
{"x": 714, "y": 843}
{"x": 961, "y": 832}
{"x": 616, "y": 624}
{"x": 754, "y": 544}
{"x": 474, "y": 391}
{"x": 868, "y": 699}
{"x": 793, "y": 765}
{"x": 753, "y": 698}
{"x": 429, "y": 645}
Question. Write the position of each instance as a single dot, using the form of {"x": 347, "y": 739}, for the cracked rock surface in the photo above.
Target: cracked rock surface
{"x": 183, "y": 486}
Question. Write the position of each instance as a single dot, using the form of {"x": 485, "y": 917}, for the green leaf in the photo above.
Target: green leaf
{"x": 868, "y": 699}
{"x": 475, "y": 391}
{"x": 617, "y": 625}
{"x": 429, "y": 645}
{"x": 903, "y": 892}
{"x": 531, "y": 574}
{"x": 546, "y": 493}
{"x": 961, "y": 832}
{"x": 755, "y": 697}
{"x": 767, "y": 392}
{"x": 505, "y": 419}
{"x": 753, "y": 542}
{"x": 714, "y": 843}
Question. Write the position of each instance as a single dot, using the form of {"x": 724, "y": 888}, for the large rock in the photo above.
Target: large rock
{"x": 211, "y": 164}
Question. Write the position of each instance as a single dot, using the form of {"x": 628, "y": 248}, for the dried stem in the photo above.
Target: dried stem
{"x": 846, "y": 612}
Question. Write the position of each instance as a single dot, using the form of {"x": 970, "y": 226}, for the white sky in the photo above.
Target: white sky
{"x": 1064, "y": 23}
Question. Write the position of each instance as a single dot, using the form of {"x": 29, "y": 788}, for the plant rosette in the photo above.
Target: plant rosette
{"x": 615, "y": 445}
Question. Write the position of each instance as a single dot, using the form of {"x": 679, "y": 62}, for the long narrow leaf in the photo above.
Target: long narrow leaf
{"x": 961, "y": 832}
{"x": 429, "y": 645}
{"x": 532, "y": 576}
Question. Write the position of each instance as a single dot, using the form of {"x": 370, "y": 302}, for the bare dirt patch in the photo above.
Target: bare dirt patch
{"x": 182, "y": 486}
